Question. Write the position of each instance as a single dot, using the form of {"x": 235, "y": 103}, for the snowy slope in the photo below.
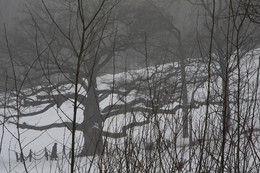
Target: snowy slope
{"x": 38, "y": 140}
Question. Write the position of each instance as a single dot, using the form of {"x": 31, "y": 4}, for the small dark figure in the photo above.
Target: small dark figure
{"x": 21, "y": 157}
{"x": 54, "y": 152}
{"x": 30, "y": 156}
{"x": 46, "y": 153}
{"x": 64, "y": 150}
{"x": 17, "y": 157}
{"x": 70, "y": 154}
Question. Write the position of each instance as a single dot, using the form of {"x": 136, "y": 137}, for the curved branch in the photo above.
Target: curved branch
{"x": 32, "y": 113}
{"x": 68, "y": 125}
{"x": 124, "y": 129}
{"x": 127, "y": 106}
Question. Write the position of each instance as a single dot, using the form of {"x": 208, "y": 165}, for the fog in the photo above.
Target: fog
{"x": 132, "y": 85}
{"x": 9, "y": 11}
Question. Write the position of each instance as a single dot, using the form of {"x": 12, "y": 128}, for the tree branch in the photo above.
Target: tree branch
{"x": 68, "y": 125}
{"x": 124, "y": 129}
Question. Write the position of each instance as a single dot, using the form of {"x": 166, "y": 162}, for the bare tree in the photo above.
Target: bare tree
{"x": 70, "y": 58}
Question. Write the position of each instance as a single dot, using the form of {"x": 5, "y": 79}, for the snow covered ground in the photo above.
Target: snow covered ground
{"x": 37, "y": 141}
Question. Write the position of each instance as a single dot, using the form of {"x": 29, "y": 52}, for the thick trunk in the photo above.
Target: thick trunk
{"x": 93, "y": 142}
{"x": 225, "y": 92}
{"x": 92, "y": 125}
{"x": 224, "y": 54}
{"x": 185, "y": 114}
{"x": 185, "y": 101}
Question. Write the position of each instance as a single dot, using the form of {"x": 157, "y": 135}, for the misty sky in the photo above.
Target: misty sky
{"x": 8, "y": 11}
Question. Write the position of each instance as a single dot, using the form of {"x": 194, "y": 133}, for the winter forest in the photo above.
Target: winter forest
{"x": 129, "y": 86}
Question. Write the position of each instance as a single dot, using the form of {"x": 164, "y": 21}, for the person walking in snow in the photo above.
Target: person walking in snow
{"x": 54, "y": 152}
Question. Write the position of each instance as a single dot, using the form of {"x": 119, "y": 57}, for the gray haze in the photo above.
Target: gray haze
{"x": 176, "y": 80}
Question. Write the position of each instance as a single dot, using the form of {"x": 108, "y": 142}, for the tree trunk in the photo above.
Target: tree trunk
{"x": 92, "y": 125}
{"x": 225, "y": 92}
{"x": 185, "y": 101}
{"x": 93, "y": 142}
{"x": 185, "y": 113}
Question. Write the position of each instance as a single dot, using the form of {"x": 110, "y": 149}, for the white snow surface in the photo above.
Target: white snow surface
{"x": 38, "y": 140}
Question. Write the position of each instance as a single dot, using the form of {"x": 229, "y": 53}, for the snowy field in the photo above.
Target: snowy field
{"x": 140, "y": 158}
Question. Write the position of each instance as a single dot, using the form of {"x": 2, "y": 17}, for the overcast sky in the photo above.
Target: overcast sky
{"x": 8, "y": 11}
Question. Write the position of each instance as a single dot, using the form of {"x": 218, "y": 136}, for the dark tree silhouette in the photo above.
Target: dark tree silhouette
{"x": 70, "y": 51}
{"x": 54, "y": 155}
{"x": 70, "y": 55}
